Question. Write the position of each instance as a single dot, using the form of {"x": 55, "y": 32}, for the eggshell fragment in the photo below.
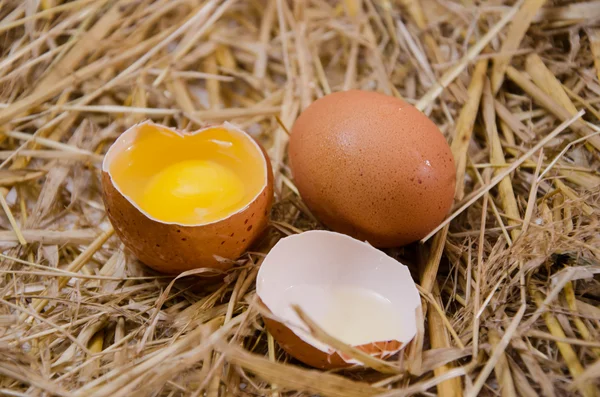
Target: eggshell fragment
{"x": 333, "y": 260}
{"x": 173, "y": 248}
{"x": 372, "y": 166}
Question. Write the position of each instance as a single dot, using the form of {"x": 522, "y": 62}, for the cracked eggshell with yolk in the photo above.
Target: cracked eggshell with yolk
{"x": 175, "y": 247}
{"x": 330, "y": 261}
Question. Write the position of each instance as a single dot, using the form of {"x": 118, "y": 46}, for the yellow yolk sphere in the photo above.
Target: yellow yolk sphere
{"x": 189, "y": 180}
{"x": 192, "y": 190}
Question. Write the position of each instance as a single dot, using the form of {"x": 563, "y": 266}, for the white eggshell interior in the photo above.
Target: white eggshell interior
{"x": 328, "y": 258}
{"x": 128, "y": 138}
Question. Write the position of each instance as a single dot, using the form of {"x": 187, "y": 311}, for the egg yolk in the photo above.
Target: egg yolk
{"x": 199, "y": 187}
{"x": 190, "y": 179}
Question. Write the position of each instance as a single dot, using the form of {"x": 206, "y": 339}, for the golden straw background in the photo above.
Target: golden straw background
{"x": 510, "y": 282}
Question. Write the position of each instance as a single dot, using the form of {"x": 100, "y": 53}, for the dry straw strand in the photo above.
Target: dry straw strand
{"x": 548, "y": 98}
{"x": 503, "y": 174}
{"x": 473, "y": 52}
{"x": 594, "y": 36}
{"x": 570, "y": 12}
{"x": 515, "y": 34}
{"x": 505, "y": 187}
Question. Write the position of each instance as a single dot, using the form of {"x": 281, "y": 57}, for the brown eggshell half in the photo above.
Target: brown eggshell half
{"x": 373, "y": 167}
{"x": 310, "y": 355}
{"x": 328, "y": 261}
{"x": 172, "y": 248}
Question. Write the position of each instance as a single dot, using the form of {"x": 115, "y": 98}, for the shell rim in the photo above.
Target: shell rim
{"x": 114, "y": 151}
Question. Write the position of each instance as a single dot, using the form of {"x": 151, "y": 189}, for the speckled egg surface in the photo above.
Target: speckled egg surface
{"x": 372, "y": 166}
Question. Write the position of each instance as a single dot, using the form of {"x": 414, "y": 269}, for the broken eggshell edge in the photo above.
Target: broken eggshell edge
{"x": 174, "y": 248}
{"x": 332, "y": 258}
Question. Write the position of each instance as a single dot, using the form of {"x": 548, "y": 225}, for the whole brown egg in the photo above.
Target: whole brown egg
{"x": 373, "y": 167}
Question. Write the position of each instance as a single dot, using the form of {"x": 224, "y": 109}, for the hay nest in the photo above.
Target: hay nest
{"x": 509, "y": 286}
